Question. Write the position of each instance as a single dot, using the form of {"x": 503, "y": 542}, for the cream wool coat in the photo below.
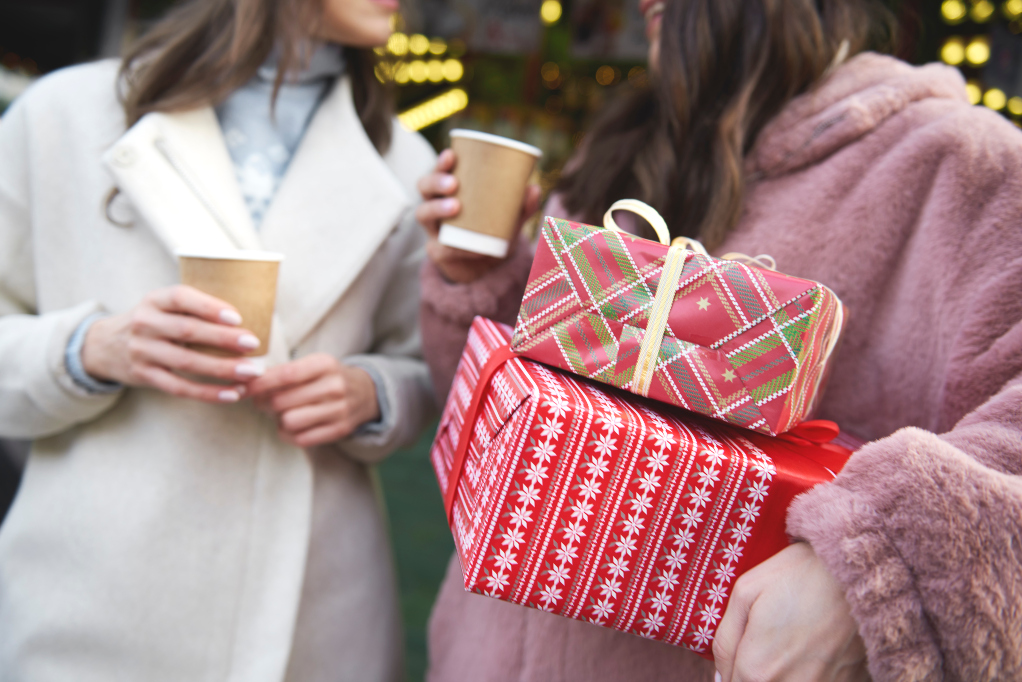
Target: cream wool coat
{"x": 160, "y": 539}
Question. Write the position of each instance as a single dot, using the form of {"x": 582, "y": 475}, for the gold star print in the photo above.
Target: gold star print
{"x": 730, "y": 375}
{"x": 703, "y": 303}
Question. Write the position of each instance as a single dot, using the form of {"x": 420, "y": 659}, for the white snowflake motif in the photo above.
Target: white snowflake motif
{"x": 749, "y": 512}
{"x": 725, "y": 571}
{"x": 557, "y": 405}
{"x": 535, "y": 473}
{"x": 573, "y": 532}
{"x": 551, "y": 429}
{"x": 663, "y": 438}
{"x": 597, "y": 467}
{"x": 610, "y": 422}
{"x": 710, "y": 615}
{"x": 582, "y": 510}
{"x": 758, "y": 490}
{"x": 652, "y": 622}
{"x": 559, "y": 574}
{"x": 521, "y": 516}
{"x": 602, "y": 610}
{"x": 763, "y": 468}
{"x": 496, "y": 582}
{"x": 625, "y": 546}
{"x": 567, "y": 553}
{"x": 741, "y": 532}
{"x": 717, "y": 593}
{"x": 618, "y": 566}
{"x": 545, "y": 451}
{"x": 641, "y": 503}
{"x": 605, "y": 445}
{"x": 676, "y": 558}
{"x": 683, "y": 538}
{"x": 513, "y": 538}
{"x": 527, "y": 496}
{"x": 667, "y": 581}
{"x": 649, "y": 482}
{"x": 691, "y": 517}
{"x": 633, "y": 524}
{"x": 661, "y": 601}
{"x": 703, "y": 635}
{"x": 657, "y": 460}
{"x": 590, "y": 488}
{"x": 505, "y": 559}
{"x": 708, "y": 476}
{"x": 549, "y": 594}
{"x": 700, "y": 497}
{"x": 714, "y": 453}
{"x": 610, "y": 588}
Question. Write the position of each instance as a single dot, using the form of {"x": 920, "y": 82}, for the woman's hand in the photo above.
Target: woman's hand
{"x": 145, "y": 346}
{"x": 437, "y": 190}
{"x": 788, "y": 620}
{"x": 316, "y": 399}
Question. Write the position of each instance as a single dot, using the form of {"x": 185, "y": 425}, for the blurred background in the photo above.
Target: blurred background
{"x": 534, "y": 70}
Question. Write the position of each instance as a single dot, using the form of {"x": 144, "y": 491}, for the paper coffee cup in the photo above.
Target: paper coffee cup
{"x": 245, "y": 279}
{"x": 492, "y": 174}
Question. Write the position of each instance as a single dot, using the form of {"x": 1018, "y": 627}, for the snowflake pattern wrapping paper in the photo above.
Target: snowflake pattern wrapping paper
{"x": 742, "y": 344}
{"x": 585, "y": 501}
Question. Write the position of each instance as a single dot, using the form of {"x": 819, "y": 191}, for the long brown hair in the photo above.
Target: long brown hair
{"x": 726, "y": 67}
{"x": 203, "y": 50}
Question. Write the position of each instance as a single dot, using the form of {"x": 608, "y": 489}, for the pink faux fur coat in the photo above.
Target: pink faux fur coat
{"x": 886, "y": 185}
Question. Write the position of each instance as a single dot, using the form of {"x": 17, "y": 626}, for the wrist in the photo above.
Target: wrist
{"x": 94, "y": 359}
{"x": 87, "y": 376}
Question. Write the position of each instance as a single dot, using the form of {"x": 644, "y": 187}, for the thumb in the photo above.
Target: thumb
{"x": 730, "y": 631}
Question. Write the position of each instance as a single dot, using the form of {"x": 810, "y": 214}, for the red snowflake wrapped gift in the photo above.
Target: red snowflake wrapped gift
{"x": 582, "y": 500}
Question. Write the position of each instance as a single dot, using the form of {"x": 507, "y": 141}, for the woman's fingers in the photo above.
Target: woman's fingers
{"x": 294, "y": 373}
{"x": 323, "y": 389}
{"x": 431, "y": 213}
{"x": 151, "y": 351}
{"x": 187, "y": 300}
{"x": 161, "y": 379}
{"x": 732, "y": 627}
{"x": 437, "y": 185}
{"x": 319, "y": 435}
{"x": 307, "y": 416}
{"x": 183, "y": 328}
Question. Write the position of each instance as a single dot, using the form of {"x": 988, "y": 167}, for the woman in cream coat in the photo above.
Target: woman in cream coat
{"x": 165, "y": 537}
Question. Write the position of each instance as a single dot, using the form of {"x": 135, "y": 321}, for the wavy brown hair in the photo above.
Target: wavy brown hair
{"x": 204, "y": 50}
{"x": 726, "y": 67}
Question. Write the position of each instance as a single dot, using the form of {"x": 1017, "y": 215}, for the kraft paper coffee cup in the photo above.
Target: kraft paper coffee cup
{"x": 492, "y": 174}
{"x": 245, "y": 279}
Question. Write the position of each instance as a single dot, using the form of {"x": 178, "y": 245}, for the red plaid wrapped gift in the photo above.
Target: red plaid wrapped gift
{"x": 585, "y": 501}
{"x": 723, "y": 338}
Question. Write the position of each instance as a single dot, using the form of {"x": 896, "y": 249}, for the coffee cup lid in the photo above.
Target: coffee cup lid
{"x": 497, "y": 139}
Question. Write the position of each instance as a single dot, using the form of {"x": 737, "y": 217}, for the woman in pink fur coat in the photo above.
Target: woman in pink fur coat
{"x": 768, "y": 129}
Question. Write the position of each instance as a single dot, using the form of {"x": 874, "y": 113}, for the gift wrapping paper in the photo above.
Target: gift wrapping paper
{"x": 742, "y": 344}
{"x": 582, "y": 500}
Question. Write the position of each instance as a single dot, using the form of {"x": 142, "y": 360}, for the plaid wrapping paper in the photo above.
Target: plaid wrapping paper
{"x": 597, "y": 505}
{"x": 742, "y": 344}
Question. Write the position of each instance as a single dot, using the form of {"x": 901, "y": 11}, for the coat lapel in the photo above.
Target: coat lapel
{"x": 337, "y": 203}
{"x": 177, "y": 173}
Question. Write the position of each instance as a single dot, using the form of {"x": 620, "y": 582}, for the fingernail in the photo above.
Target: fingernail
{"x": 241, "y": 389}
{"x": 229, "y": 396}
{"x": 248, "y": 341}
{"x": 447, "y": 183}
{"x": 231, "y": 317}
{"x": 249, "y": 369}
{"x": 449, "y": 205}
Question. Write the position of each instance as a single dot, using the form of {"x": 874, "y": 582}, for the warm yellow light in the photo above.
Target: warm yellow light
{"x": 982, "y": 11}
{"x": 1012, "y": 9}
{"x": 953, "y": 52}
{"x": 398, "y": 44}
{"x": 435, "y": 70}
{"x": 453, "y": 70}
{"x": 605, "y": 75}
{"x": 384, "y": 72}
{"x": 418, "y": 44}
{"x": 417, "y": 71}
{"x": 974, "y": 92}
{"x": 978, "y": 51}
{"x": 994, "y": 99}
{"x": 439, "y": 45}
{"x": 434, "y": 110}
{"x": 380, "y": 50}
{"x": 550, "y": 72}
{"x": 401, "y": 74}
{"x": 550, "y": 11}
{"x": 953, "y": 11}
{"x": 1015, "y": 106}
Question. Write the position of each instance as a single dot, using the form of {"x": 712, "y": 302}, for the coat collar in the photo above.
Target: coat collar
{"x": 337, "y": 203}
